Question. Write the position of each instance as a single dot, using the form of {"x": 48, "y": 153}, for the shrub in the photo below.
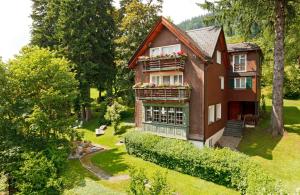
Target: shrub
{"x": 141, "y": 185}
{"x": 222, "y": 166}
{"x": 113, "y": 115}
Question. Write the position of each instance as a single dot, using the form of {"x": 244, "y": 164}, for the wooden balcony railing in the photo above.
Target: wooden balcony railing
{"x": 179, "y": 93}
{"x": 163, "y": 63}
{"x": 239, "y": 68}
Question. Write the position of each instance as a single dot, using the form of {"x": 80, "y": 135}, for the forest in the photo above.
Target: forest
{"x": 80, "y": 46}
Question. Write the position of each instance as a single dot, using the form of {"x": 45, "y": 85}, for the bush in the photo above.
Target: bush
{"x": 114, "y": 116}
{"x": 222, "y": 166}
{"x": 37, "y": 175}
{"x": 141, "y": 185}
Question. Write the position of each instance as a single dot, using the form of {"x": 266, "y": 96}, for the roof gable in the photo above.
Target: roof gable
{"x": 181, "y": 35}
{"x": 206, "y": 39}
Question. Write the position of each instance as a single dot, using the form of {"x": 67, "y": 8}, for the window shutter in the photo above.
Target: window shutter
{"x": 249, "y": 83}
{"x": 231, "y": 83}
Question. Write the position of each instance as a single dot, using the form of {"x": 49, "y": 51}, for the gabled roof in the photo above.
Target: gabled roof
{"x": 201, "y": 41}
{"x": 242, "y": 47}
{"x": 206, "y": 38}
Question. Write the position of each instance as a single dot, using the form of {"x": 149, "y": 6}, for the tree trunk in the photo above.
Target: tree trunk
{"x": 277, "y": 101}
{"x": 83, "y": 113}
{"x": 99, "y": 95}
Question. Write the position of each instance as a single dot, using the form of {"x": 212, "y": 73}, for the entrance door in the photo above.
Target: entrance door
{"x": 234, "y": 110}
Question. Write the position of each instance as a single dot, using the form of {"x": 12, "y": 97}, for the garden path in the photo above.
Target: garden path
{"x": 101, "y": 174}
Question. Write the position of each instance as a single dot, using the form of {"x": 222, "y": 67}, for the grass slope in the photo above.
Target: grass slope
{"x": 279, "y": 156}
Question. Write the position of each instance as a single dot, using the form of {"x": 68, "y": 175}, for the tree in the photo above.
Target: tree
{"x": 43, "y": 90}
{"x": 248, "y": 17}
{"x": 135, "y": 20}
{"x": 82, "y": 31}
{"x": 113, "y": 114}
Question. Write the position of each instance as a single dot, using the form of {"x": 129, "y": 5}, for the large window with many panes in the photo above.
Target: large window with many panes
{"x": 165, "y": 115}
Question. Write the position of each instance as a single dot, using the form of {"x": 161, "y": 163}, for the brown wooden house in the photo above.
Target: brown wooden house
{"x": 190, "y": 84}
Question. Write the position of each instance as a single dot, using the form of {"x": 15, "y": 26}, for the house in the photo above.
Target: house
{"x": 190, "y": 85}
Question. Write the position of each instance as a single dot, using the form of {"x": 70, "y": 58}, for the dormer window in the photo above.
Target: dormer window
{"x": 164, "y": 50}
{"x": 239, "y": 63}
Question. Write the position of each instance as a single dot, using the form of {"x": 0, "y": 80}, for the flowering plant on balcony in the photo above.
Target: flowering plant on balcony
{"x": 180, "y": 54}
{"x": 153, "y": 85}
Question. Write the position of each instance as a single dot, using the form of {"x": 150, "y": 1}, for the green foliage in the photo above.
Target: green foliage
{"x": 141, "y": 185}
{"x": 292, "y": 82}
{"x": 135, "y": 20}
{"x": 113, "y": 114}
{"x": 193, "y": 23}
{"x": 37, "y": 175}
{"x": 3, "y": 182}
{"x": 43, "y": 90}
{"x": 138, "y": 182}
{"x": 221, "y": 166}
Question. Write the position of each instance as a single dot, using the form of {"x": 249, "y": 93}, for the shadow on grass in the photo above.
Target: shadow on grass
{"x": 74, "y": 175}
{"x": 123, "y": 129}
{"x": 259, "y": 142}
{"x": 111, "y": 161}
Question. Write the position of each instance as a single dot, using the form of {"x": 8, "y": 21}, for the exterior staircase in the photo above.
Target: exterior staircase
{"x": 234, "y": 128}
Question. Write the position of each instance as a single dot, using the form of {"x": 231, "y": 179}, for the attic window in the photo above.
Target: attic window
{"x": 219, "y": 57}
{"x": 164, "y": 50}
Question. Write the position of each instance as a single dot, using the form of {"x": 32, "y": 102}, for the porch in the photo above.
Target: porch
{"x": 245, "y": 111}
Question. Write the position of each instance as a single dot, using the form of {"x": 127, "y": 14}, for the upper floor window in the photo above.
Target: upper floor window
{"x": 176, "y": 79}
{"x": 240, "y": 83}
{"x": 222, "y": 82}
{"x": 164, "y": 50}
{"x": 240, "y": 63}
{"x": 219, "y": 57}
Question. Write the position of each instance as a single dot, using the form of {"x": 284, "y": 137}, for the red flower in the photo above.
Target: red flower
{"x": 180, "y": 52}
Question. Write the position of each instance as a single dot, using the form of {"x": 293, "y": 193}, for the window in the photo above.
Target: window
{"x": 240, "y": 83}
{"x": 156, "y": 114}
{"x": 179, "y": 116}
{"x": 219, "y": 57}
{"x": 148, "y": 114}
{"x": 222, "y": 82}
{"x": 167, "y": 79}
{"x": 163, "y": 115}
{"x": 177, "y": 80}
{"x": 218, "y": 111}
{"x": 154, "y": 51}
{"x": 155, "y": 79}
{"x": 211, "y": 114}
{"x": 169, "y": 115}
{"x": 239, "y": 63}
{"x": 165, "y": 50}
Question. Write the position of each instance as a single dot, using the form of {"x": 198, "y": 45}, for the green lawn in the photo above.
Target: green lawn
{"x": 279, "y": 156}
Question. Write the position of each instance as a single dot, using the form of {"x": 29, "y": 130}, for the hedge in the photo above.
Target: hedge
{"x": 221, "y": 166}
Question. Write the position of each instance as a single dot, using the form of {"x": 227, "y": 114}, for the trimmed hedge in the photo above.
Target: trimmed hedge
{"x": 221, "y": 166}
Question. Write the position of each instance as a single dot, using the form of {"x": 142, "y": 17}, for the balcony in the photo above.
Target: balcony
{"x": 169, "y": 62}
{"x": 148, "y": 91}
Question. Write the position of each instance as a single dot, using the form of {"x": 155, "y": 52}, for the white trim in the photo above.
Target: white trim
{"x": 233, "y": 62}
{"x": 244, "y": 78}
{"x": 160, "y": 49}
{"x": 219, "y": 57}
{"x": 222, "y": 82}
{"x": 161, "y": 74}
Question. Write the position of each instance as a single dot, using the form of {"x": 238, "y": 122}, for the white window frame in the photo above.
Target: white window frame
{"x": 219, "y": 111}
{"x": 211, "y": 114}
{"x": 161, "y": 75}
{"x": 240, "y": 79}
{"x": 233, "y": 62}
{"x": 222, "y": 82}
{"x": 161, "y": 49}
{"x": 219, "y": 57}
